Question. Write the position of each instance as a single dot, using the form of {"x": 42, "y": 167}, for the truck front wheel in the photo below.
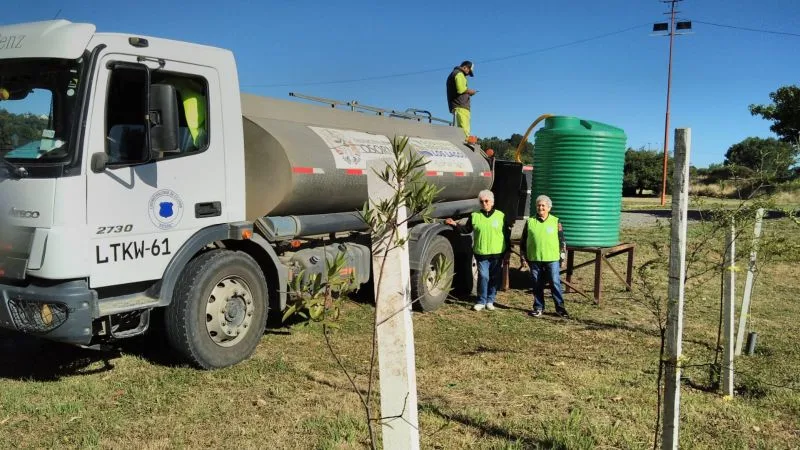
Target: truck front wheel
{"x": 219, "y": 309}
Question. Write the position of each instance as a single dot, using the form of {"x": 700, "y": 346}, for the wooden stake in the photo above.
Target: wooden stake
{"x": 728, "y": 301}
{"x": 744, "y": 312}
{"x": 505, "y": 269}
{"x": 395, "y": 333}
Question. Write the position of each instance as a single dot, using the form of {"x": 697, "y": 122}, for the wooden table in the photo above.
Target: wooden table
{"x": 601, "y": 255}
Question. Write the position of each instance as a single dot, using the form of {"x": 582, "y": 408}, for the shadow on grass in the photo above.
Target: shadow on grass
{"x": 594, "y": 325}
{"x": 749, "y": 388}
{"x": 30, "y": 358}
{"x": 485, "y": 428}
{"x": 708, "y": 387}
{"x": 276, "y": 324}
{"x": 24, "y": 357}
{"x": 480, "y": 349}
{"x": 463, "y": 301}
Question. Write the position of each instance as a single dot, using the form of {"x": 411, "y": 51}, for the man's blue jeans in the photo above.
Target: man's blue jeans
{"x": 488, "y": 279}
{"x": 542, "y": 272}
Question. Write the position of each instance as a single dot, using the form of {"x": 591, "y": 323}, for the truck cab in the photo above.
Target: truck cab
{"x": 97, "y": 192}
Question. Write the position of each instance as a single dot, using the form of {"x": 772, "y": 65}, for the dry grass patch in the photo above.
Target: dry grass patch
{"x": 493, "y": 380}
{"x": 718, "y": 190}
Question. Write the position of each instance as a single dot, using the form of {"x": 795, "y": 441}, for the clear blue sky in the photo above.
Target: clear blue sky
{"x": 284, "y": 46}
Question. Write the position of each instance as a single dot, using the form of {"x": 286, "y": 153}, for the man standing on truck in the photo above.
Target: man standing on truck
{"x": 459, "y": 94}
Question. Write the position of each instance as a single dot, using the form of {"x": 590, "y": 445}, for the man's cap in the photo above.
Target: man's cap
{"x": 471, "y": 67}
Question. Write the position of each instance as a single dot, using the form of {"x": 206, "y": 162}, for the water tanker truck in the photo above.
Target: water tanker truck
{"x": 147, "y": 192}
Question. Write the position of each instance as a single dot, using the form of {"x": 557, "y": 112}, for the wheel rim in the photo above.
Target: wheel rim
{"x": 229, "y": 311}
{"x": 434, "y": 288}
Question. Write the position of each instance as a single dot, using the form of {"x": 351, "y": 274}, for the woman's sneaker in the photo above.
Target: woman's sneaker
{"x": 479, "y": 307}
{"x": 490, "y": 307}
{"x": 535, "y": 313}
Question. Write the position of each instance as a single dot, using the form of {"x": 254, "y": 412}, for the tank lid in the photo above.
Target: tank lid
{"x": 576, "y": 125}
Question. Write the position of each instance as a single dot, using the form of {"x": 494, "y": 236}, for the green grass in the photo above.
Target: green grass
{"x": 487, "y": 380}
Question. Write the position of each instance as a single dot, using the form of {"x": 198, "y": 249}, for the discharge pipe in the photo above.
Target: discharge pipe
{"x": 518, "y": 156}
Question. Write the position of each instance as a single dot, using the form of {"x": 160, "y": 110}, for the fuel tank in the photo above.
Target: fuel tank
{"x": 308, "y": 159}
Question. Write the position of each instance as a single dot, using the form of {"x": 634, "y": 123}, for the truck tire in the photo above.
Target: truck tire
{"x": 218, "y": 311}
{"x": 428, "y": 294}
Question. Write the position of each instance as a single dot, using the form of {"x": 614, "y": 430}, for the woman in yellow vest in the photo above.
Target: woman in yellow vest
{"x": 491, "y": 236}
{"x": 544, "y": 248}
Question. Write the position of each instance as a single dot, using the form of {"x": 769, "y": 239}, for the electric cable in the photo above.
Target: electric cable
{"x": 440, "y": 69}
{"x": 756, "y": 30}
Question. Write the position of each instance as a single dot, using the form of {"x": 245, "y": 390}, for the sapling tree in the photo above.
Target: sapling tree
{"x": 318, "y": 299}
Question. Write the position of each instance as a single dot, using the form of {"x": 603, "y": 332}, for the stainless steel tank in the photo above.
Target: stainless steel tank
{"x": 309, "y": 159}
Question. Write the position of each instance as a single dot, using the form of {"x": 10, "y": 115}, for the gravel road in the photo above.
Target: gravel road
{"x": 642, "y": 219}
{"x": 638, "y": 219}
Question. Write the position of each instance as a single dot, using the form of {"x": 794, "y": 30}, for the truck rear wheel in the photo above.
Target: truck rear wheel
{"x": 219, "y": 309}
{"x": 429, "y": 287}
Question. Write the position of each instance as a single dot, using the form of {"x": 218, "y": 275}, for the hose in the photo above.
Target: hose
{"x": 527, "y": 133}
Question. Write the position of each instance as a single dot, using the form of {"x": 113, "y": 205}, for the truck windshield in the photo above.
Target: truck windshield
{"x": 38, "y": 101}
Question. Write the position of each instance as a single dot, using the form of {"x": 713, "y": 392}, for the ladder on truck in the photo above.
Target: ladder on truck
{"x": 420, "y": 115}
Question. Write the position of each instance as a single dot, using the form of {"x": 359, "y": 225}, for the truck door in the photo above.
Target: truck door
{"x": 143, "y": 207}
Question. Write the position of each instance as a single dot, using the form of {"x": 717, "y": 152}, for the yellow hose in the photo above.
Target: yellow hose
{"x": 527, "y": 133}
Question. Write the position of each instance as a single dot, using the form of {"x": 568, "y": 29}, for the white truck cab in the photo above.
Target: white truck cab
{"x": 89, "y": 211}
{"x": 124, "y": 189}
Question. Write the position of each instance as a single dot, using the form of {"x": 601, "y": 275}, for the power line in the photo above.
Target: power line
{"x": 785, "y": 33}
{"x": 580, "y": 41}
{"x": 440, "y": 69}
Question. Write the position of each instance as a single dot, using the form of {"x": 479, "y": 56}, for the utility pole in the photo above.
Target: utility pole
{"x": 671, "y": 26}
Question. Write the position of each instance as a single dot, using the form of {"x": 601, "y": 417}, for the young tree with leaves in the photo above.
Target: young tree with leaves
{"x": 318, "y": 300}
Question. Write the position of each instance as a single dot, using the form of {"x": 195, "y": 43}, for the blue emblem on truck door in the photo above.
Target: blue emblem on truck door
{"x": 165, "y": 209}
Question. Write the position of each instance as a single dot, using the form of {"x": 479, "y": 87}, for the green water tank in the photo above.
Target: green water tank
{"x": 579, "y": 164}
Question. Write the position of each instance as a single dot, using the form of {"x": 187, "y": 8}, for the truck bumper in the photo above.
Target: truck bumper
{"x": 60, "y": 312}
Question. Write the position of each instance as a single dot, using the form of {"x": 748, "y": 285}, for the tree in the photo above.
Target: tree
{"x": 318, "y": 300}
{"x": 717, "y": 173}
{"x": 506, "y": 149}
{"x": 770, "y": 158}
{"x": 784, "y": 112}
{"x": 643, "y": 170}
{"x": 19, "y": 129}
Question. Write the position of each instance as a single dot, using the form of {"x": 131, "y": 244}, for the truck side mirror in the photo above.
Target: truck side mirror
{"x": 99, "y": 162}
{"x": 163, "y": 112}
